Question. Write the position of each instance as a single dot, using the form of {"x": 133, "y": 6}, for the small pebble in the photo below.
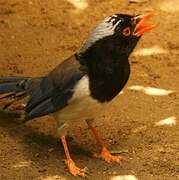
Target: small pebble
{"x": 50, "y": 149}
{"x": 37, "y": 155}
{"x": 42, "y": 170}
{"x": 12, "y": 37}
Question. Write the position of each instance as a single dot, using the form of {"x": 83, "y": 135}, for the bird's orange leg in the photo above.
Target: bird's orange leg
{"x": 104, "y": 154}
{"x": 74, "y": 170}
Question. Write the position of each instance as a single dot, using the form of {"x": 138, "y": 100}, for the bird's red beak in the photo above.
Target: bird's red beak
{"x": 141, "y": 26}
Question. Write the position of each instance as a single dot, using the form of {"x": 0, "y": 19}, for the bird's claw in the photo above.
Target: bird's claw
{"x": 74, "y": 170}
{"x": 106, "y": 155}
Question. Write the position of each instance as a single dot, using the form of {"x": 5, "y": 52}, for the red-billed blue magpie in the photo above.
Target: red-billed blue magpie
{"x": 82, "y": 85}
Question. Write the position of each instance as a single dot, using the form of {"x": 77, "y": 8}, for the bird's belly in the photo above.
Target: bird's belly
{"x": 81, "y": 109}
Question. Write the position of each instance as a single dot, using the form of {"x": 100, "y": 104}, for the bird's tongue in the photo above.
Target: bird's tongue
{"x": 142, "y": 26}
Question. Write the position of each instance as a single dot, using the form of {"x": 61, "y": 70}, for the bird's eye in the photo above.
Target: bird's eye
{"x": 126, "y": 31}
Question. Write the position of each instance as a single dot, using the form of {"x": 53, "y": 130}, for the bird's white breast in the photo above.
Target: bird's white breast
{"x": 81, "y": 89}
{"x": 81, "y": 106}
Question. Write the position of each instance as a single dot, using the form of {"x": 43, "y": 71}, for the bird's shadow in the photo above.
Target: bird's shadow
{"x": 37, "y": 144}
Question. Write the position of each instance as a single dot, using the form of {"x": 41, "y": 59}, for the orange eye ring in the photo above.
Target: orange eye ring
{"x": 126, "y": 31}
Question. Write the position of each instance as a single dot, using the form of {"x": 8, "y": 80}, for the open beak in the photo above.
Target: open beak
{"x": 141, "y": 25}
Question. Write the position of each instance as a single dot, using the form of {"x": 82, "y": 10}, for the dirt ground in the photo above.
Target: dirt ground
{"x": 36, "y": 35}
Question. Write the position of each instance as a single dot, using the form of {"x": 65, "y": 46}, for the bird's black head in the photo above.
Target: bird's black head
{"x": 105, "y": 54}
{"x": 115, "y": 36}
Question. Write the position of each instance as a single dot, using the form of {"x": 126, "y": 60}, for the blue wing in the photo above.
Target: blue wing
{"x": 52, "y": 92}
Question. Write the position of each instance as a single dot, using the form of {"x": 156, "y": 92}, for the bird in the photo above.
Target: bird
{"x": 85, "y": 83}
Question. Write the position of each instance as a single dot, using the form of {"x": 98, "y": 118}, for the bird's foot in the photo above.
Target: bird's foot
{"x": 74, "y": 170}
{"x": 106, "y": 155}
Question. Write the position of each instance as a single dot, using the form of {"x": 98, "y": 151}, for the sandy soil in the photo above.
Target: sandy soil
{"x": 36, "y": 35}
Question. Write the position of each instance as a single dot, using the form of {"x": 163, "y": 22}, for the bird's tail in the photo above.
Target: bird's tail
{"x": 15, "y": 89}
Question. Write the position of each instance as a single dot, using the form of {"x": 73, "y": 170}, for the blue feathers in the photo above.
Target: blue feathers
{"x": 47, "y": 94}
{"x": 53, "y": 92}
{"x": 13, "y": 84}
{"x": 104, "y": 29}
